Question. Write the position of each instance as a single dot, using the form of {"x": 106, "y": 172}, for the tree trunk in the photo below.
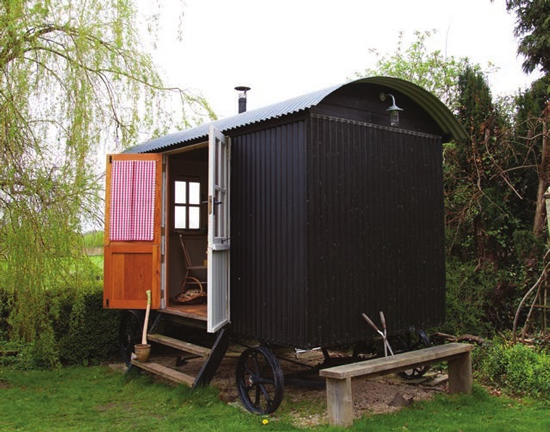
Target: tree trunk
{"x": 544, "y": 176}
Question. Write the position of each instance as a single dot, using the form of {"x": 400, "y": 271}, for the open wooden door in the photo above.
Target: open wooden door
{"x": 218, "y": 231}
{"x": 132, "y": 255}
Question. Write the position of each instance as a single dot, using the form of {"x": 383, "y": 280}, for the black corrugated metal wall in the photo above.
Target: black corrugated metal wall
{"x": 268, "y": 230}
{"x": 375, "y": 229}
{"x": 331, "y": 218}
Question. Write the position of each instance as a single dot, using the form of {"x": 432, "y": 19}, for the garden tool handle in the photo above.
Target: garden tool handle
{"x": 146, "y": 322}
{"x": 383, "y": 320}
{"x": 367, "y": 319}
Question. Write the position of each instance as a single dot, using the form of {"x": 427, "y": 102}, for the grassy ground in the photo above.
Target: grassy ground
{"x": 102, "y": 399}
{"x": 477, "y": 412}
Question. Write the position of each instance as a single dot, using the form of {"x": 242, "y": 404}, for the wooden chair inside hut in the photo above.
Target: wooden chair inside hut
{"x": 193, "y": 286}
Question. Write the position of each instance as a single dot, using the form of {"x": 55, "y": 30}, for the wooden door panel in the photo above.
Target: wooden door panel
{"x": 132, "y": 267}
{"x": 130, "y": 271}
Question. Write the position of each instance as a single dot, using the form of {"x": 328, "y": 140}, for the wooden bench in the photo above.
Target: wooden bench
{"x": 339, "y": 398}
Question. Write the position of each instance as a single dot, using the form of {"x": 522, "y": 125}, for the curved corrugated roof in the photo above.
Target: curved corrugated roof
{"x": 433, "y": 106}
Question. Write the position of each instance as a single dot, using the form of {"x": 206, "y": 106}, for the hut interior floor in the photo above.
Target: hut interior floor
{"x": 190, "y": 311}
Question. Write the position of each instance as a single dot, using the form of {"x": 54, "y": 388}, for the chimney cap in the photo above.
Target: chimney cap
{"x": 242, "y": 88}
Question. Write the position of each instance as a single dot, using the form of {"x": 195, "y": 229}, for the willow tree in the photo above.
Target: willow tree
{"x": 73, "y": 78}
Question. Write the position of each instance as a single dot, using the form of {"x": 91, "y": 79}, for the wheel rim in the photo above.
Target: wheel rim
{"x": 260, "y": 380}
{"x": 129, "y": 334}
{"x": 413, "y": 340}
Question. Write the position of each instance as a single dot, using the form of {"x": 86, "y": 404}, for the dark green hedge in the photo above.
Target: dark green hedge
{"x": 87, "y": 333}
{"x": 77, "y": 329}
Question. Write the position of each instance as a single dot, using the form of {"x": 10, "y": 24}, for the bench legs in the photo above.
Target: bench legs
{"x": 460, "y": 374}
{"x": 339, "y": 402}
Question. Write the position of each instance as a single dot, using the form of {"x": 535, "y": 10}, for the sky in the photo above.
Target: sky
{"x": 286, "y": 48}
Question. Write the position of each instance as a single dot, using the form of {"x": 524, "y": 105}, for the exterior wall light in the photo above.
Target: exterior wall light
{"x": 393, "y": 109}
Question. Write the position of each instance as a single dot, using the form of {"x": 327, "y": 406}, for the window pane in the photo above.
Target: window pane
{"x": 194, "y": 193}
{"x": 180, "y": 192}
{"x": 180, "y": 221}
{"x": 194, "y": 217}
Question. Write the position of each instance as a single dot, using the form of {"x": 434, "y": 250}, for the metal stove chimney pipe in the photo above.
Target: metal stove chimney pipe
{"x": 242, "y": 97}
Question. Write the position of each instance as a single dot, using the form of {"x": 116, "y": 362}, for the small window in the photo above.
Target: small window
{"x": 187, "y": 201}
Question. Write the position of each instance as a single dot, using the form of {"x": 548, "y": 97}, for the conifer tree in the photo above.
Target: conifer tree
{"x": 533, "y": 30}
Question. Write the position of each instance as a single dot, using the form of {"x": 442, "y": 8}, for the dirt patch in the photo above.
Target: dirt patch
{"x": 305, "y": 394}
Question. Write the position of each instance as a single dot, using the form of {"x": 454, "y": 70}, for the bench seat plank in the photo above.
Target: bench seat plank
{"x": 398, "y": 362}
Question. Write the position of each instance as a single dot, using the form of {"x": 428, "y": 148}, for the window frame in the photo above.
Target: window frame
{"x": 188, "y": 180}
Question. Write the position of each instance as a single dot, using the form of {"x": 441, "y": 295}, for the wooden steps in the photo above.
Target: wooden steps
{"x": 165, "y": 372}
{"x": 213, "y": 357}
{"x": 179, "y": 344}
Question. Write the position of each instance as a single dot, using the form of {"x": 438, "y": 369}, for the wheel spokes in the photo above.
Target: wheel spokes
{"x": 265, "y": 393}
{"x": 260, "y": 380}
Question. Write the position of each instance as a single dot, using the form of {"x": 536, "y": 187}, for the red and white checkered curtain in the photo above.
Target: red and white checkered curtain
{"x": 132, "y": 200}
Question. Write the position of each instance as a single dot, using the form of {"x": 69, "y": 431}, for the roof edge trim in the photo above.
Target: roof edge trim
{"x": 441, "y": 114}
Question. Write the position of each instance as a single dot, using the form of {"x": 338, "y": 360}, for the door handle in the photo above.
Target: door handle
{"x": 212, "y": 205}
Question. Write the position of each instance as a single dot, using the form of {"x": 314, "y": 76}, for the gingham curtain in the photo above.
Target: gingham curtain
{"x": 132, "y": 200}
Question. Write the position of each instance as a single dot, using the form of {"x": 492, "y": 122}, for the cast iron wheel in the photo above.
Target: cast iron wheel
{"x": 260, "y": 380}
{"x": 129, "y": 334}
{"x": 413, "y": 340}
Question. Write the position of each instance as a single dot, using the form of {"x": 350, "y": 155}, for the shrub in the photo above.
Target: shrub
{"x": 480, "y": 301}
{"x": 76, "y": 329}
{"x": 467, "y": 299}
{"x": 92, "y": 331}
{"x": 520, "y": 369}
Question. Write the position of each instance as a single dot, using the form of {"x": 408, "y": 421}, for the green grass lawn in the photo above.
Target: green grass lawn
{"x": 476, "y": 412}
{"x": 102, "y": 399}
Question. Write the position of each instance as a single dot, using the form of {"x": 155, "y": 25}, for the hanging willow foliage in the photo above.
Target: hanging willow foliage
{"x": 73, "y": 76}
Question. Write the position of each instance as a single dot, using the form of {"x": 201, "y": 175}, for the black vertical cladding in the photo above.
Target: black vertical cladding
{"x": 268, "y": 229}
{"x": 332, "y": 218}
{"x": 375, "y": 229}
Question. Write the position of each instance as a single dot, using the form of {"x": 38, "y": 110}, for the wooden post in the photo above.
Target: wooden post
{"x": 339, "y": 402}
{"x": 460, "y": 374}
